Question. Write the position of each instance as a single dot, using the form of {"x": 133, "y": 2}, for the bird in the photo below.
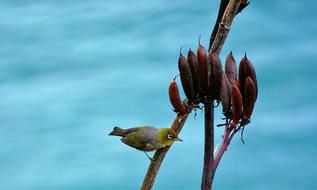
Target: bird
{"x": 146, "y": 138}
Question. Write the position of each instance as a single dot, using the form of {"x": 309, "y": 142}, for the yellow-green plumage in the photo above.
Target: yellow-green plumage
{"x": 164, "y": 132}
{"x": 146, "y": 138}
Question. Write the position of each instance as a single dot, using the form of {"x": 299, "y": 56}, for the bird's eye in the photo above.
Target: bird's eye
{"x": 169, "y": 136}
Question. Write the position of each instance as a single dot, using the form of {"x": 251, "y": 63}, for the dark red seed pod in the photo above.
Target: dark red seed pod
{"x": 249, "y": 71}
{"x": 203, "y": 71}
{"x": 175, "y": 99}
{"x": 242, "y": 76}
{"x": 194, "y": 67}
{"x": 225, "y": 95}
{"x": 186, "y": 78}
{"x": 231, "y": 68}
{"x": 215, "y": 76}
{"x": 249, "y": 99}
{"x": 236, "y": 104}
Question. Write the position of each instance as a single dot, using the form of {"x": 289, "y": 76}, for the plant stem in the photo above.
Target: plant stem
{"x": 223, "y": 148}
{"x": 209, "y": 146}
{"x": 222, "y": 8}
{"x": 179, "y": 121}
{"x": 160, "y": 154}
{"x": 224, "y": 26}
{"x": 217, "y": 43}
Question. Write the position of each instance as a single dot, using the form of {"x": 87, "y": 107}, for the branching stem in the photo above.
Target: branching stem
{"x": 206, "y": 181}
{"x": 159, "y": 155}
{"x": 218, "y": 37}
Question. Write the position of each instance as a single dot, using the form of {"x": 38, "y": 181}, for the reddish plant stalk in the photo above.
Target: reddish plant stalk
{"x": 210, "y": 165}
{"x": 216, "y": 45}
{"x": 227, "y": 137}
{"x": 206, "y": 181}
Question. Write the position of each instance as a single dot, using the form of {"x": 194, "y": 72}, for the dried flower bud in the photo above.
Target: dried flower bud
{"x": 225, "y": 95}
{"x": 194, "y": 67}
{"x": 175, "y": 99}
{"x": 249, "y": 99}
{"x": 203, "y": 71}
{"x": 186, "y": 78}
{"x": 231, "y": 68}
{"x": 236, "y": 104}
{"x": 242, "y": 73}
{"x": 215, "y": 76}
{"x": 249, "y": 71}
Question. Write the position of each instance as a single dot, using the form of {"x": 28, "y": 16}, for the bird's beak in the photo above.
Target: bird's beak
{"x": 178, "y": 139}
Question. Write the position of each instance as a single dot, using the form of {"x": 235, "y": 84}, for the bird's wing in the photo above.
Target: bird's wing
{"x": 136, "y": 129}
{"x": 140, "y": 138}
{"x": 131, "y": 130}
{"x": 134, "y": 141}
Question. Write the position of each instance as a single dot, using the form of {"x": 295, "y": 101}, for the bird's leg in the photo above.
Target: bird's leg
{"x": 152, "y": 160}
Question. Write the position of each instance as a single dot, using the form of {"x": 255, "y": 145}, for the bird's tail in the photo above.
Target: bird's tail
{"x": 117, "y": 131}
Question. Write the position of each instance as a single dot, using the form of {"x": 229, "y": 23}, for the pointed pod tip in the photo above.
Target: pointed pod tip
{"x": 175, "y": 77}
{"x": 190, "y": 52}
{"x": 245, "y": 55}
{"x": 244, "y": 58}
{"x": 230, "y": 57}
{"x": 199, "y": 38}
{"x": 180, "y": 50}
{"x": 201, "y": 50}
{"x": 181, "y": 57}
{"x": 201, "y": 46}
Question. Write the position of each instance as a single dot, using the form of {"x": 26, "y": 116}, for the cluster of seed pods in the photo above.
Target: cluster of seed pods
{"x": 203, "y": 80}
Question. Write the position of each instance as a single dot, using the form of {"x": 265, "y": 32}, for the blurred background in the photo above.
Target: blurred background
{"x": 71, "y": 70}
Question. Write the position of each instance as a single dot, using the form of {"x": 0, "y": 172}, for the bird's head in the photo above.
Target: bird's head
{"x": 168, "y": 136}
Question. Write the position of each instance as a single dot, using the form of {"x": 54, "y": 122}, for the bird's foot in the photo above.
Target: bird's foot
{"x": 151, "y": 159}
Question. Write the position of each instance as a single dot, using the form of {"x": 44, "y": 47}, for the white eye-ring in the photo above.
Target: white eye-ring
{"x": 169, "y": 136}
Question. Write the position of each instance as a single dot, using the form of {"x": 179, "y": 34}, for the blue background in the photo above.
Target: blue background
{"x": 71, "y": 70}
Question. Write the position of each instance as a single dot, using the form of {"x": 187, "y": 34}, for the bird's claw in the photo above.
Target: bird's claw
{"x": 152, "y": 160}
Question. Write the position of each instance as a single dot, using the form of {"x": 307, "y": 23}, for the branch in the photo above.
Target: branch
{"x": 227, "y": 137}
{"x": 216, "y": 46}
{"x": 222, "y": 8}
{"x": 159, "y": 155}
{"x": 179, "y": 121}
{"x": 206, "y": 181}
{"x": 224, "y": 26}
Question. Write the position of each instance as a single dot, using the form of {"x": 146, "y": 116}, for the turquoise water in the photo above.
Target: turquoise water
{"x": 71, "y": 70}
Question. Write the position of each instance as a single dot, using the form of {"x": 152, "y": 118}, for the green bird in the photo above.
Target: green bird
{"x": 146, "y": 138}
